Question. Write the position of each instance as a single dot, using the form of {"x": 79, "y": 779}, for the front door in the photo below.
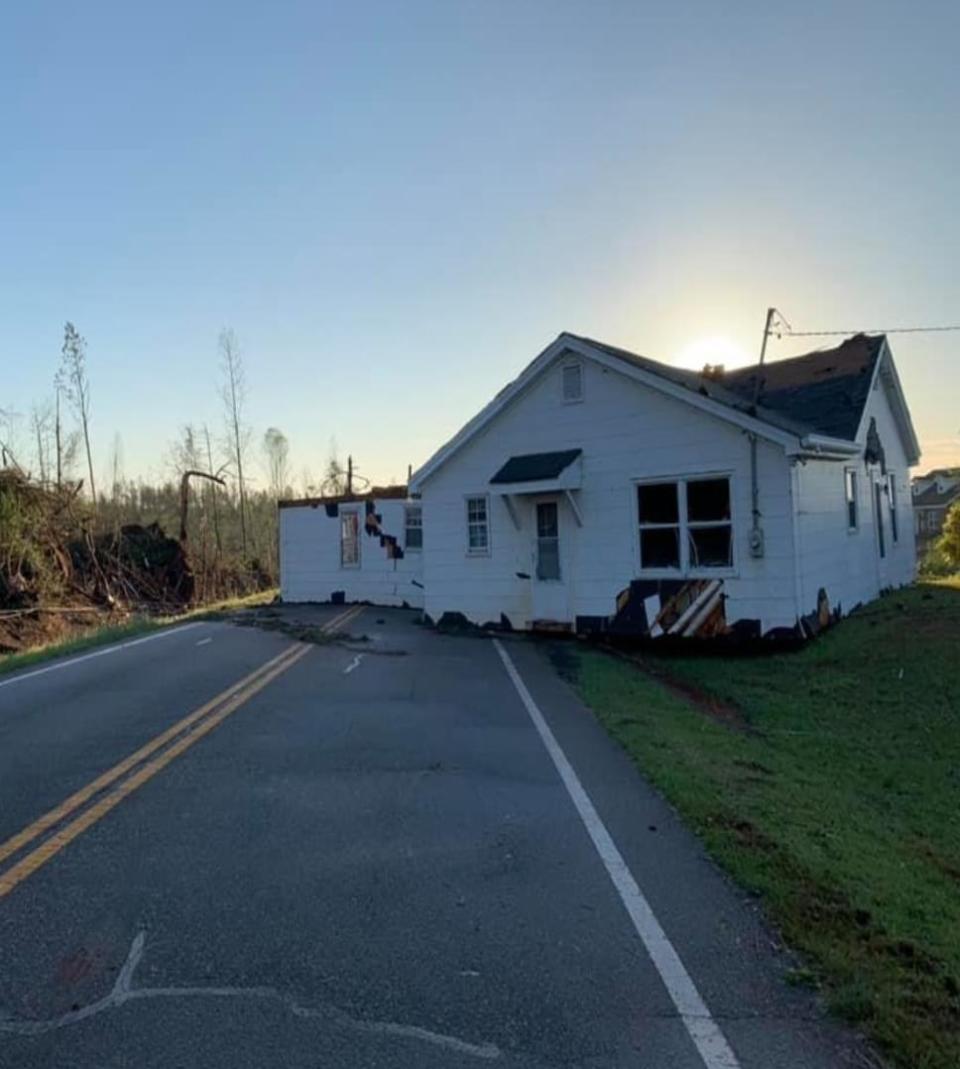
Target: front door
{"x": 550, "y": 602}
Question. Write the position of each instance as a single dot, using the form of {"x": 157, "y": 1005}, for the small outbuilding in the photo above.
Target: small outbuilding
{"x": 353, "y": 547}
{"x": 603, "y": 491}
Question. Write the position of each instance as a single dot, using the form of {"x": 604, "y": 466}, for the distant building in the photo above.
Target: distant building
{"x": 933, "y": 496}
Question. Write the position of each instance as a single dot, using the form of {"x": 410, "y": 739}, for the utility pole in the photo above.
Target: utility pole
{"x": 349, "y": 475}
{"x": 756, "y": 529}
{"x": 771, "y": 312}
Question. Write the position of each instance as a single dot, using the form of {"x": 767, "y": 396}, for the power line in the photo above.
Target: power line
{"x": 875, "y": 330}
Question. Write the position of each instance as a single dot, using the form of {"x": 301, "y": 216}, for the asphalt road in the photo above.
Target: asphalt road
{"x": 368, "y": 857}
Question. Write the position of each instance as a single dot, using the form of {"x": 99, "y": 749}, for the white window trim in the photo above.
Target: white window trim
{"x": 347, "y": 512}
{"x": 893, "y": 504}
{"x": 856, "y": 499}
{"x": 685, "y": 571}
{"x": 558, "y": 578}
{"x": 563, "y": 368}
{"x": 472, "y": 552}
{"x": 406, "y": 526}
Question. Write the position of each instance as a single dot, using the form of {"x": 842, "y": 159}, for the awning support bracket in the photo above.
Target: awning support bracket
{"x": 512, "y": 509}
{"x": 574, "y": 507}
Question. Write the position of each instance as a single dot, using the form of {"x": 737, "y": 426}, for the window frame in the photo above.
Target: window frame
{"x": 407, "y": 527}
{"x": 472, "y": 551}
{"x": 686, "y": 570}
{"x": 851, "y": 478}
{"x": 568, "y": 364}
{"x": 555, "y": 504}
{"x": 355, "y": 513}
{"x": 892, "y": 503}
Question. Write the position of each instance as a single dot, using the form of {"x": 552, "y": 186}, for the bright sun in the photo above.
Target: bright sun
{"x": 713, "y": 350}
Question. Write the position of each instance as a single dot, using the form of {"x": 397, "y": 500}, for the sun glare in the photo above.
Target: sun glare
{"x": 713, "y": 350}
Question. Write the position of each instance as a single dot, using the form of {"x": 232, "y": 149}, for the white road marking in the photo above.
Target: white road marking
{"x": 204, "y": 641}
{"x": 353, "y": 664}
{"x": 712, "y": 1045}
{"x": 98, "y": 653}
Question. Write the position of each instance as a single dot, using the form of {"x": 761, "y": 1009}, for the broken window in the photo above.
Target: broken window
{"x": 659, "y": 513}
{"x": 478, "y": 533}
{"x": 413, "y": 527}
{"x": 686, "y": 525}
{"x": 349, "y": 538}
{"x": 850, "y": 488}
{"x": 548, "y": 541}
{"x": 709, "y": 523}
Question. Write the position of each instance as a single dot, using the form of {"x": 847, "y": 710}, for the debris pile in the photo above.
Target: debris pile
{"x": 56, "y": 573}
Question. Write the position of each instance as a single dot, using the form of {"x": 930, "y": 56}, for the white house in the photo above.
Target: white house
{"x": 602, "y": 491}
{"x": 355, "y": 547}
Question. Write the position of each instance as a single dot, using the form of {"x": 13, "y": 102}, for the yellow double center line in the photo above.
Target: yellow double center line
{"x": 181, "y": 736}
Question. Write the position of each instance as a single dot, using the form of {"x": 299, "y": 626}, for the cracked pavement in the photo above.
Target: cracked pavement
{"x": 372, "y": 862}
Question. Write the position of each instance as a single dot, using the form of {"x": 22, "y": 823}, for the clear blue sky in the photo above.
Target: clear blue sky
{"x": 396, "y": 205}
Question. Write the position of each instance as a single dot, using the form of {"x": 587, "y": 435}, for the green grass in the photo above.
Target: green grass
{"x": 828, "y": 782}
{"x": 133, "y": 626}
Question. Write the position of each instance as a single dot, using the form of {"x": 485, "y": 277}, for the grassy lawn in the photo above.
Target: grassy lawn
{"x": 828, "y": 782}
{"x": 131, "y": 627}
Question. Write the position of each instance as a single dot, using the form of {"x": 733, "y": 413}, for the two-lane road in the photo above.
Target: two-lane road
{"x": 415, "y": 850}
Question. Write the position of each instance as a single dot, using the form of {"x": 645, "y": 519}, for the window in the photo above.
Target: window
{"x": 349, "y": 538}
{"x": 548, "y": 541}
{"x": 685, "y": 525}
{"x": 659, "y": 511}
{"x": 709, "y": 523}
{"x": 878, "y": 498}
{"x": 413, "y": 527}
{"x": 572, "y": 382}
{"x": 478, "y": 533}
{"x": 892, "y": 492}
{"x": 850, "y": 488}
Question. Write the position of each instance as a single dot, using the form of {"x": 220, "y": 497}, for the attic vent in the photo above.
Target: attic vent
{"x": 572, "y": 382}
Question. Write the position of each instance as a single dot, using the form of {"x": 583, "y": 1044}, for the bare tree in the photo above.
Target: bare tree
{"x": 116, "y": 468}
{"x": 75, "y": 384}
{"x": 41, "y": 423}
{"x": 9, "y": 440}
{"x": 213, "y": 493}
{"x": 276, "y": 450}
{"x": 335, "y": 474}
{"x": 233, "y": 394}
{"x": 58, "y": 435}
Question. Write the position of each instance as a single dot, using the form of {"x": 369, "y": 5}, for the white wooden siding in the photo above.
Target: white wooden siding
{"x": 310, "y": 568}
{"x": 847, "y": 564}
{"x": 627, "y": 432}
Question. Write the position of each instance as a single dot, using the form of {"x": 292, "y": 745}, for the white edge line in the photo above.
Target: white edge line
{"x": 714, "y": 1050}
{"x": 113, "y": 648}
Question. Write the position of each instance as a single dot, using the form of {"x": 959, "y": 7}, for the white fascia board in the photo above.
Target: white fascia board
{"x": 823, "y": 445}
{"x": 488, "y": 413}
{"x": 566, "y": 480}
{"x": 885, "y": 370}
{"x": 901, "y": 411}
{"x": 566, "y": 343}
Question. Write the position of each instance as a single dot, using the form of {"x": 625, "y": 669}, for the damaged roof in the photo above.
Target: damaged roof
{"x": 817, "y": 399}
{"x": 534, "y": 467}
{"x": 375, "y": 493}
{"x": 823, "y": 391}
